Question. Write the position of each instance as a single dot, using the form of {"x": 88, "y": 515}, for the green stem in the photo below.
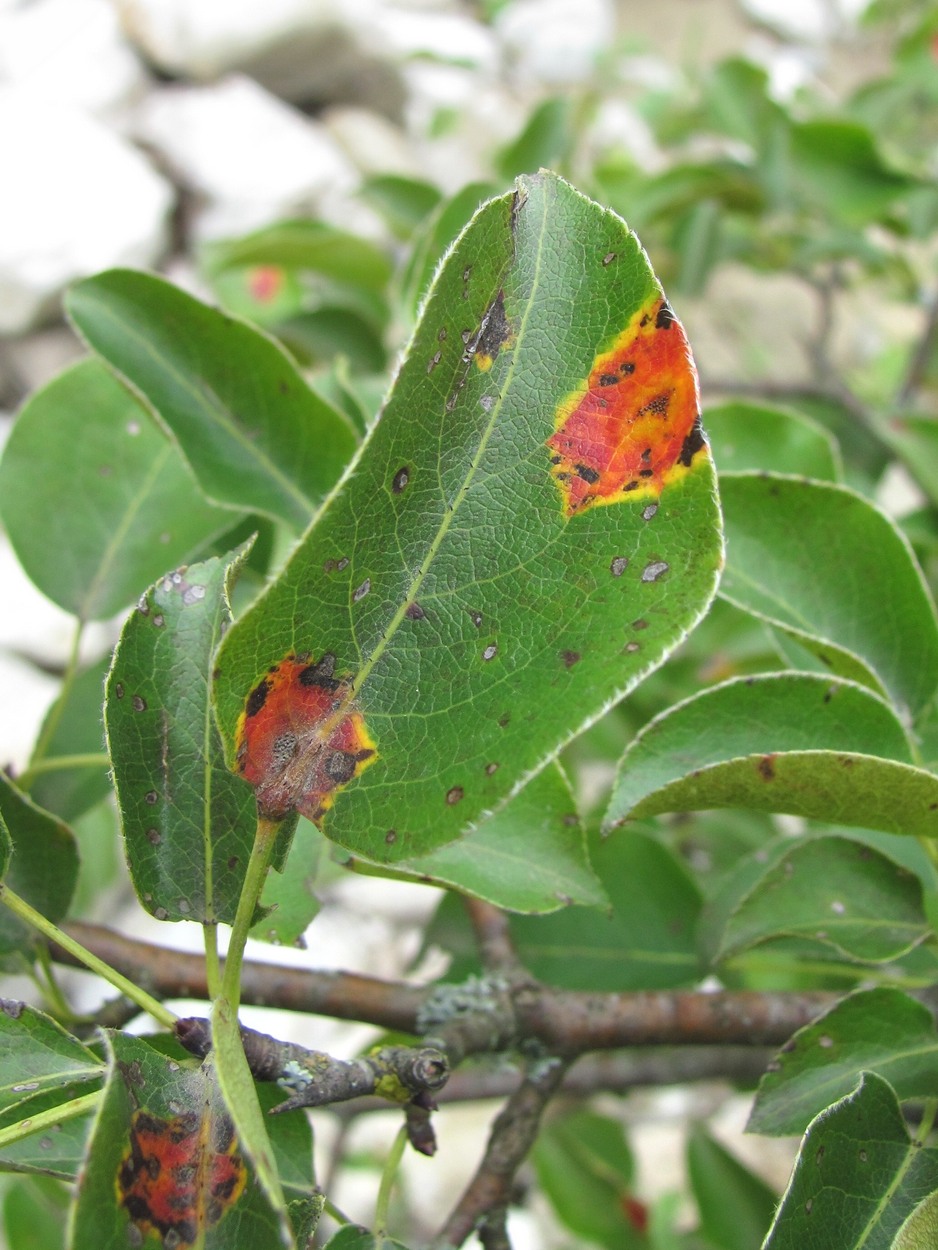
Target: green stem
{"x": 55, "y": 714}
{"x": 50, "y": 987}
{"x": 334, "y": 1212}
{"x": 212, "y": 966}
{"x": 388, "y": 1177}
{"x": 48, "y": 1119}
{"x": 254, "y": 880}
{"x": 144, "y": 1001}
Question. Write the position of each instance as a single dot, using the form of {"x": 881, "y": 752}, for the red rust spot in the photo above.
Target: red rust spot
{"x": 635, "y": 1212}
{"x": 301, "y": 739}
{"x": 265, "y": 283}
{"x": 634, "y": 425}
{"x": 180, "y": 1175}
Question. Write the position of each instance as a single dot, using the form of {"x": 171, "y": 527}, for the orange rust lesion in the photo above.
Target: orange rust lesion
{"x": 180, "y": 1175}
{"x": 634, "y": 425}
{"x": 301, "y": 739}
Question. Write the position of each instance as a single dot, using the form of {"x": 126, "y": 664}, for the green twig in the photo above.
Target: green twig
{"x": 250, "y": 894}
{"x": 49, "y": 1118}
{"x": 388, "y": 1177}
{"x": 55, "y": 713}
{"x": 144, "y": 1001}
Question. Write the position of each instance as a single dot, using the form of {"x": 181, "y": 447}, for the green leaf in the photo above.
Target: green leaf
{"x": 434, "y": 238}
{"x": 403, "y": 202}
{"x": 757, "y": 436}
{"x": 735, "y": 1205}
{"x": 354, "y": 1237}
{"x": 43, "y": 867}
{"x": 303, "y": 244}
{"x": 585, "y": 1167}
{"x": 919, "y": 1229}
{"x": 42, "y": 1067}
{"x": 915, "y": 439}
{"x": 188, "y": 822}
{"x": 33, "y": 1216}
{"x": 96, "y": 501}
{"x": 837, "y": 892}
{"x": 831, "y": 570}
{"x": 163, "y": 1120}
{"x": 38, "y": 1055}
{"x": 879, "y": 1030}
{"x": 256, "y": 436}
{"x": 786, "y": 742}
{"x": 71, "y": 790}
{"x": 857, "y": 1178}
{"x": 837, "y": 166}
{"x": 288, "y": 901}
{"x": 646, "y": 940}
{"x": 529, "y": 857}
{"x": 544, "y": 143}
{"x": 453, "y": 600}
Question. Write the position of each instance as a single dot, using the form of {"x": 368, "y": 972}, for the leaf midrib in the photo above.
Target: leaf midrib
{"x": 450, "y": 513}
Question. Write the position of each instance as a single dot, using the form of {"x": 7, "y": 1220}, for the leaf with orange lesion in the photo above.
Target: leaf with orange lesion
{"x": 634, "y": 425}
{"x": 180, "y": 1175}
{"x": 300, "y": 738}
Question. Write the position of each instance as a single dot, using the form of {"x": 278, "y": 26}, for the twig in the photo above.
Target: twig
{"x": 396, "y": 1073}
{"x": 483, "y": 1015}
{"x": 493, "y": 937}
{"x": 921, "y": 357}
{"x": 176, "y": 974}
{"x": 488, "y": 1194}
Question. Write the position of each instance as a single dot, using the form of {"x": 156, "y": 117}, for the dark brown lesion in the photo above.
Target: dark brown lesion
{"x": 665, "y": 317}
{"x": 586, "y": 473}
{"x": 693, "y": 443}
{"x": 496, "y": 328}
{"x": 321, "y": 674}
{"x": 658, "y": 406}
{"x": 258, "y": 697}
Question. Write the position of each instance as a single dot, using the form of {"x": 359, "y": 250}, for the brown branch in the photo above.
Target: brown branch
{"x": 482, "y": 1015}
{"x": 174, "y": 974}
{"x": 493, "y": 937}
{"x": 485, "y": 1201}
{"x": 790, "y": 392}
{"x": 919, "y": 362}
{"x": 612, "y": 1072}
{"x": 570, "y": 1021}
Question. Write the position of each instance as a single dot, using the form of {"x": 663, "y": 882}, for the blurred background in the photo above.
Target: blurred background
{"x": 776, "y": 157}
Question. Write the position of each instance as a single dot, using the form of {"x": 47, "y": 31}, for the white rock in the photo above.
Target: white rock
{"x": 252, "y": 157}
{"x": 84, "y": 200}
{"x": 70, "y": 51}
{"x": 373, "y": 143}
{"x": 302, "y": 50}
{"x": 446, "y": 36}
{"x": 556, "y": 42}
{"x": 812, "y": 21}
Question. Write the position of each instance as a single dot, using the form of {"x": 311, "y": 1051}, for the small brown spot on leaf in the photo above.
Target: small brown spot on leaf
{"x": 651, "y": 572}
{"x": 434, "y": 361}
{"x": 476, "y": 618}
{"x": 766, "y": 767}
{"x": 360, "y": 591}
{"x": 632, "y": 647}
{"x": 391, "y": 837}
{"x": 454, "y": 795}
{"x": 151, "y": 798}
{"x": 257, "y": 698}
{"x": 154, "y": 836}
{"x": 641, "y": 623}
{"x": 119, "y": 690}
{"x": 414, "y": 612}
{"x": 570, "y": 658}
{"x": 490, "y": 652}
{"x": 400, "y": 479}
{"x": 609, "y": 258}
{"x": 490, "y": 769}
{"x": 649, "y": 511}
{"x": 618, "y": 566}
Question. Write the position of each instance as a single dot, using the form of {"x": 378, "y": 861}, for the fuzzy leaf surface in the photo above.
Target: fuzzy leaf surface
{"x": 880, "y": 1030}
{"x": 188, "y": 822}
{"x": 806, "y": 744}
{"x": 857, "y": 1178}
{"x": 464, "y": 604}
